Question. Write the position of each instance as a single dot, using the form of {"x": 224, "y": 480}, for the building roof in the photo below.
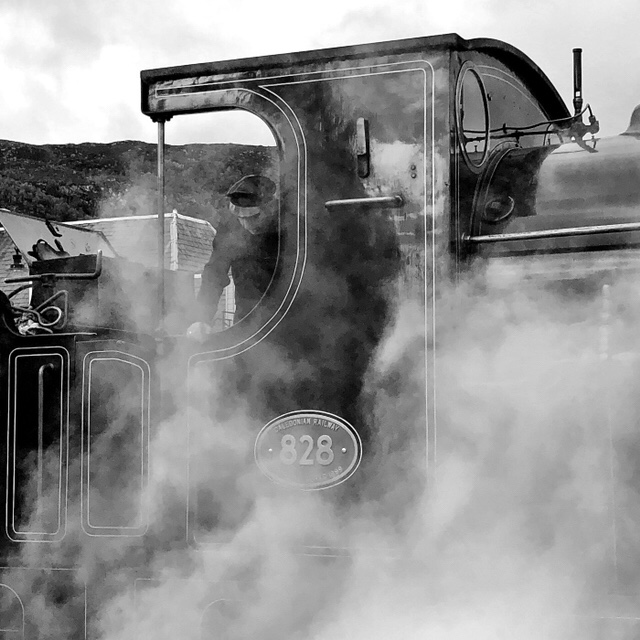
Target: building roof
{"x": 7, "y": 249}
{"x": 187, "y": 240}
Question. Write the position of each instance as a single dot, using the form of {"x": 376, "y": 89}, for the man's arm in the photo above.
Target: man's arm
{"x": 215, "y": 277}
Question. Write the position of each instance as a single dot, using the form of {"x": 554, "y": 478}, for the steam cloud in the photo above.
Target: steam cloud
{"x": 524, "y": 531}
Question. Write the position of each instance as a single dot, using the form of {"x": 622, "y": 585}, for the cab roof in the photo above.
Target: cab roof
{"x": 513, "y": 58}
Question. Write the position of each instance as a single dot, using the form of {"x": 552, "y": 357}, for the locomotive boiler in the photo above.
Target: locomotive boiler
{"x": 445, "y": 351}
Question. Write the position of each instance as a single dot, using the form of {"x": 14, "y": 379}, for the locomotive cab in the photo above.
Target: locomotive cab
{"x": 378, "y": 148}
{"x": 362, "y": 161}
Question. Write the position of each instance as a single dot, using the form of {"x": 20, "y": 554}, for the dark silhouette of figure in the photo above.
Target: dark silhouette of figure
{"x": 246, "y": 246}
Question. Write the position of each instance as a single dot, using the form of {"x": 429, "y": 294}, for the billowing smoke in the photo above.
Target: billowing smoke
{"x": 521, "y": 526}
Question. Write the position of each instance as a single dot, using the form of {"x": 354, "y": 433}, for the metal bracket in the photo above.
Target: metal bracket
{"x": 52, "y": 277}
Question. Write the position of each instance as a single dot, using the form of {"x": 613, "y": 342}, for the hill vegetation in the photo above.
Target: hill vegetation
{"x": 90, "y": 180}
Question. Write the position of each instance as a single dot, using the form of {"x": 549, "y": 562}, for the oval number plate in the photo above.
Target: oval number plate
{"x": 308, "y": 450}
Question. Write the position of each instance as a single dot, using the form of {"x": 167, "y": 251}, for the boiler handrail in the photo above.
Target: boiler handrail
{"x": 552, "y": 233}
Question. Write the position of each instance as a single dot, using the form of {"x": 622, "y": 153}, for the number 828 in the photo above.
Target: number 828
{"x": 315, "y": 452}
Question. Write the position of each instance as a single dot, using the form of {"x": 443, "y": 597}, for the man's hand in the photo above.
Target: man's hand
{"x": 199, "y": 332}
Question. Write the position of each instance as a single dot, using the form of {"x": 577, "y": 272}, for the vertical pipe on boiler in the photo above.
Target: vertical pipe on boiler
{"x": 577, "y": 81}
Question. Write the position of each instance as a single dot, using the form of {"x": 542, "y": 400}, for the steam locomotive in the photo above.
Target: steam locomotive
{"x": 153, "y": 471}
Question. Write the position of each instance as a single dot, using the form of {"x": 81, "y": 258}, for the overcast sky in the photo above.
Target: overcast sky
{"x": 70, "y": 68}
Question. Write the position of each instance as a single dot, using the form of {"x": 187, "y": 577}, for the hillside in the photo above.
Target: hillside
{"x": 79, "y": 181}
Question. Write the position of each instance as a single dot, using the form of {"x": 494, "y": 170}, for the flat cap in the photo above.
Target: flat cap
{"x": 251, "y": 191}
